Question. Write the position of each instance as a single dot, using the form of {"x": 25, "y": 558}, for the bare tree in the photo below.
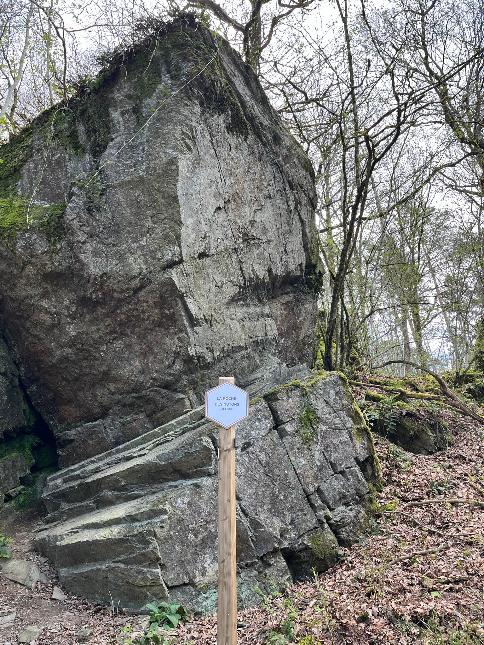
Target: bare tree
{"x": 257, "y": 24}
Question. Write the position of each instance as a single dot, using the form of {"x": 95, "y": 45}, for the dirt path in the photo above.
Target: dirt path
{"x": 418, "y": 579}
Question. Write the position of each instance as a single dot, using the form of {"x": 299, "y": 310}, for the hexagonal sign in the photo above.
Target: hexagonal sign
{"x": 226, "y": 404}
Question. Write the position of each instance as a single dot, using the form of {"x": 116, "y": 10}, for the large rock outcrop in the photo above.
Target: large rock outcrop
{"x": 156, "y": 231}
{"x": 139, "y": 522}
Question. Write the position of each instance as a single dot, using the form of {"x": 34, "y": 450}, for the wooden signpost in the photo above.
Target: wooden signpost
{"x": 226, "y": 404}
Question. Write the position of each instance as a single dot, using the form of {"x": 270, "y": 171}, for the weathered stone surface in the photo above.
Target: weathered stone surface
{"x": 58, "y": 594}
{"x": 12, "y": 468}
{"x": 24, "y": 572}
{"x": 164, "y": 246}
{"x": 13, "y": 406}
{"x": 417, "y": 430}
{"x": 139, "y": 522}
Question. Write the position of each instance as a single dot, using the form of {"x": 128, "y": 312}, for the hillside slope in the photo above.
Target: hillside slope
{"x": 416, "y": 579}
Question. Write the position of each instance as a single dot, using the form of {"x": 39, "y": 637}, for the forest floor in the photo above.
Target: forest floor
{"x": 418, "y": 578}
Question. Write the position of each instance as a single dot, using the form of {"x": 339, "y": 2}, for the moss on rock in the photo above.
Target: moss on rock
{"x": 324, "y": 547}
{"x": 307, "y": 426}
{"x": 18, "y": 214}
{"x": 416, "y": 427}
{"x": 306, "y": 385}
{"x": 362, "y": 434}
{"x": 23, "y": 445}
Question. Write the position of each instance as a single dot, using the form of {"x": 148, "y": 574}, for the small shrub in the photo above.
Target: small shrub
{"x": 163, "y": 617}
{"x": 399, "y": 458}
{"x": 165, "y": 614}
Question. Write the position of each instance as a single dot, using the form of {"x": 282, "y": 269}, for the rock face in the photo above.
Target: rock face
{"x": 15, "y": 419}
{"x": 415, "y": 429}
{"x": 14, "y": 411}
{"x": 12, "y": 468}
{"x": 155, "y": 231}
{"x": 139, "y": 522}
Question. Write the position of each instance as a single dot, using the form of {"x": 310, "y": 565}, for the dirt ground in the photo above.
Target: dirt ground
{"x": 60, "y": 621}
{"x": 418, "y": 578}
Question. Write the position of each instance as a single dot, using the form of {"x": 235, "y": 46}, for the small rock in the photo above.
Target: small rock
{"x": 24, "y": 572}
{"x": 83, "y": 634}
{"x": 29, "y": 634}
{"x": 58, "y": 594}
{"x": 7, "y": 619}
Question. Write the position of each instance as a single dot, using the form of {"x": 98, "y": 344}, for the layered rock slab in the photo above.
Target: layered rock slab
{"x": 155, "y": 231}
{"x": 139, "y": 522}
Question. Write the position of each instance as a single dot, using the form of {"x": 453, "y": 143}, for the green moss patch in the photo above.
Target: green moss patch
{"x": 416, "y": 424}
{"x": 4, "y": 546}
{"x": 306, "y": 385}
{"x": 23, "y": 444}
{"x": 324, "y": 547}
{"x": 18, "y": 214}
{"x": 307, "y": 429}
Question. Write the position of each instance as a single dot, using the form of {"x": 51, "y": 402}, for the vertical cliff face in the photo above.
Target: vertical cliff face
{"x": 155, "y": 231}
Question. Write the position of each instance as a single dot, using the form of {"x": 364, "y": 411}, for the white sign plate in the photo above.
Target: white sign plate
{"x": 226, "y": 404}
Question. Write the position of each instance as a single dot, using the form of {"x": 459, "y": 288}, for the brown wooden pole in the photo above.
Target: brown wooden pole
{"x": 227, "y": 561}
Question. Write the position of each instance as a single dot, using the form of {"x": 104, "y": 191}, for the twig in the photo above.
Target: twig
{"x": 421, "y": 396}
{"x": 447, "y": 500}
{"x": 416, "y": 554}
{"x": 477, "y": 487}
{"x": 445, "y": 389}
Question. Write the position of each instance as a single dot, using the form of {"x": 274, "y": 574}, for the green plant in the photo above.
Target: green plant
{"x": 163, "y": 617}
{"x": 384, "y": 413}
{"x": 267, "y": 598}
{"x": 379, "y": 508}
{"x": 4, "y": 546}
{"x": 285, "y": 632}
{"x": 399, "y": 458}
{"x": 165, "y": 614}
{"x": 435, "y": 632}
{"x": 440, "y": 487}
{"x": 24, "y": 444}
{"x": 152, "y": 636}
{"x": 125, "y": 636}
{"x": 308, "y": 640}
